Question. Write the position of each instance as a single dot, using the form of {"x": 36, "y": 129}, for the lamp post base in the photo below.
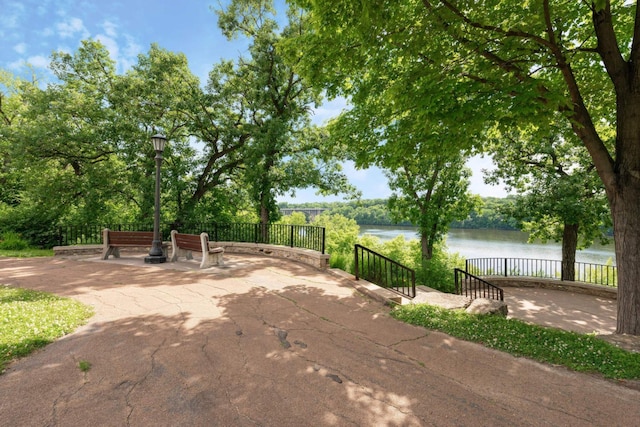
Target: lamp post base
{"x": 155, "y": 259}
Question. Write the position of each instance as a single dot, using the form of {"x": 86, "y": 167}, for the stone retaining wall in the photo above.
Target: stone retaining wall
{"x": 532, "y": 282}
{"x": 79, "y": 250}
{"x": 306, "y": 256}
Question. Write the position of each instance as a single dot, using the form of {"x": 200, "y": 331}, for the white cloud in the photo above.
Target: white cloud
{"x": 130, "y": 53}
{"x": 373, "y": 174}
{"x": 110, "y": 28}
{"x": 64, "y": 49}
{"x": 132, "y": 49}
{"x": 329, "y": 110}
{"x": 21, "y": 48}
{"x": 71, "y": 27}
{"x": 16, "y": 65}
{"x": 47, "y": 32}
{"x": 38, "y": 61}
{"x": 11, "y": 15}
{"x": 479, "y": 165}
{"x": 111, "y": 45}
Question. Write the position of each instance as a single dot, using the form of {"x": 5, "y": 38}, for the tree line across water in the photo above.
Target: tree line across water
{"x": 492, "y": 213}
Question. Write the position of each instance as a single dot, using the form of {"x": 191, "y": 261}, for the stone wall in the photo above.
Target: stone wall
{"x": 306, "y": 256}
{"x": 532, "y": 282}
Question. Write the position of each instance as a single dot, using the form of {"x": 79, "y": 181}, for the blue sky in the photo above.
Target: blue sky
{"x": 31, "y": 30}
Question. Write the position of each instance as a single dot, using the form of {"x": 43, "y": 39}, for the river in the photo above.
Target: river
{"x": 496, "y": 244}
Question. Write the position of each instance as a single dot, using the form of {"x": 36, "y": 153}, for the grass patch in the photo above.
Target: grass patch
{"x": 30, "y": 320}
{"x": 25, "y": 253}
{"x": 579, "y": 352}
{"x": 84, "y": 365}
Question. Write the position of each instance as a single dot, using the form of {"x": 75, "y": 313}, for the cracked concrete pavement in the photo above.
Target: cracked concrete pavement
{"x": 270, "y": 342}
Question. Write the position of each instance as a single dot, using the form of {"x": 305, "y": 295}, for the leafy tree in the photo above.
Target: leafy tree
{"x": 161, "y": 93}
{"x": 562, "y": 196}
{"x": 283, "y": 152}
{"x": 11, "y": 105}
{"x": 65, "y": 144}
{"x": 431, "y": 193}
{"x": 505, "y": 63}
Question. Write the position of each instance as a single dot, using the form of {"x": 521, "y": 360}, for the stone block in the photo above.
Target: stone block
{"x": 487, "y": 306}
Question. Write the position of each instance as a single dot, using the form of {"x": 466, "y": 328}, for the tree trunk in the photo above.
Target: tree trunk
{"x": 569, "y": 246}
{"x": 626, "y": 234}
{"x": 426, "y": 245}
{"x": 264, "y": 221}
{"x": 624, "y": 200}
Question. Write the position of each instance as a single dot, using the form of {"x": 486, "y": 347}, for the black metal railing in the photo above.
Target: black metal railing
{"x": 295, "y": 236}
{"x": 597, "y": 274}
{"x": 384, "y": 272}
{"x": 91, "y": 234}
{"x": 475, "y": 287}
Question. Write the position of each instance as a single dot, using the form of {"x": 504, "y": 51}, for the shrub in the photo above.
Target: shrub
{"x": 437, "y": 272}
{"x": 341, "y": 232}
{"x": 13, "y": 241}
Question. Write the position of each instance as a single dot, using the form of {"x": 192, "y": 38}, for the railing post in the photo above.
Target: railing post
{"x": 355, "y": 264}
{"x": 455, "y": 275}
{"x": 505, "y": 267}
{"x": 291, "y": 235}
{"x": 323, "y": 239}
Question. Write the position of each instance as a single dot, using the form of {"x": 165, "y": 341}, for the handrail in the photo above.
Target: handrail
{"x": 475, "y": 287}
{"x": 597, "y": 274}
{"x": 295, "y": 236}
{"x": 384, "y": 272}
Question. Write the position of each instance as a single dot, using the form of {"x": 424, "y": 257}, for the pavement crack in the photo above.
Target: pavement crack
{"x": 130, "y": 406}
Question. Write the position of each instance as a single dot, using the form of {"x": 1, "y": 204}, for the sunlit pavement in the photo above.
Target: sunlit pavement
{"x": 270, "y": 342}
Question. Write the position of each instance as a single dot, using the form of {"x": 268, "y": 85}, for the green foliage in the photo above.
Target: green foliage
{"x": 490, "y": 213}
{"x": 437, "y": 272}
{"x": 341, "y": 233}
{"x": 296, "y": 218}
{"x": 556, "y": 182}
{"x": 281, "y": 150}
{"x": 30, "y": 320}
{"x": 84, "y": 365}
{"x": 12, "y": 241}
{"x": 35, "y": 225}
{"x": 26, "y": 253}
{"x": 584, "y": 353}
{"x": 431, "y": 192}
{"x": 452, "y": 72}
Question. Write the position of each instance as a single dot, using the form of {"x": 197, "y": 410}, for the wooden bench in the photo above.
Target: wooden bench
{"x": 184, "y": 244}
{"x": 113, "y": 240}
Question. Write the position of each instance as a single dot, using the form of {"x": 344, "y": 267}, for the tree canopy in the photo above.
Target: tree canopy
{"x": 470, "y": 66}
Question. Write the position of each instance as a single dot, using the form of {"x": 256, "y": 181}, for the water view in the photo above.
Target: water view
{"x": 496, "y": 244}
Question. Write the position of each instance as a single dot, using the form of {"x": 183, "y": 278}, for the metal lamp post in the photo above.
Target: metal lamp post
{"x": 156, "y": 255}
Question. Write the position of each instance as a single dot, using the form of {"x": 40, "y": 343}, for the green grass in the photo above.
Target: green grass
{"x": 25, "y": 253}
{"x": 579, "y": 352}
{"x": 30, "y": 320}
{"x": 84, "y": 365}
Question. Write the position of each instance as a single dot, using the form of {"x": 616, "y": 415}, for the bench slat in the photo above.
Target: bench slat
{"x": 112, "y": 240}
{"x": 189, "y": 242}
{"x": 130, "y": 238}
